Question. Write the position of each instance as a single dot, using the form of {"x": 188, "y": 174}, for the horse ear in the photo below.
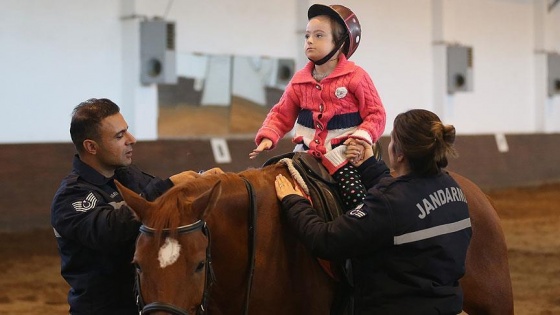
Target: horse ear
{"x": 208, "y": 199}
{"x": 138, "y": 205}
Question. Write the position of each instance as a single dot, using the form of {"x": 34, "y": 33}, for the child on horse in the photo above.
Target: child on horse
{"x": 331, "y": 100}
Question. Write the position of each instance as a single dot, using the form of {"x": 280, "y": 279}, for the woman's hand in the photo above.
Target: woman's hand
{"x": 357, "y": 151}
{"x": 284, "y": 187}
{"x": 264, "y": 145}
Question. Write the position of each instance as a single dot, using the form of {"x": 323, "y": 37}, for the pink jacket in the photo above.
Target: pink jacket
{"x": 343, "y": 105}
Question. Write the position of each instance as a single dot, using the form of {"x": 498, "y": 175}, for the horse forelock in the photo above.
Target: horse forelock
{"x": 172, "y": 208}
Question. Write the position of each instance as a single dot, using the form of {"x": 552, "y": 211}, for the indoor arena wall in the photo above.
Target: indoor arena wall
{"x": 31, "y": 173}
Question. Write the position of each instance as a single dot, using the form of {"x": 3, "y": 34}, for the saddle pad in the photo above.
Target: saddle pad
{"x": 316, "y": 182}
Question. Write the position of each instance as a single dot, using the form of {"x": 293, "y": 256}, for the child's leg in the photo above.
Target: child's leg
{"x": 352, "y": 191}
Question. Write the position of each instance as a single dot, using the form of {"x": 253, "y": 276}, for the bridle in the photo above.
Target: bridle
{"x": 209, "y": 274}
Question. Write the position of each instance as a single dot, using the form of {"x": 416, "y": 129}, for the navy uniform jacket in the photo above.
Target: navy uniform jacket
{"x": 408, "y": 241}
{"x": 96, "y": 233}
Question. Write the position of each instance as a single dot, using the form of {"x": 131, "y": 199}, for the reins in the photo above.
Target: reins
{"x": 252, "y": 229}
{"x": 209, "y": 275}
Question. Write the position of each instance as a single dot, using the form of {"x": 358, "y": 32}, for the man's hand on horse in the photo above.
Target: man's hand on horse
{"x": 284, "y": 187}
{"x": 265, "y": 144}
{"x": 188, "y": 175}
{"x": 183, "y": 177}
{"x": 212, "y": 171}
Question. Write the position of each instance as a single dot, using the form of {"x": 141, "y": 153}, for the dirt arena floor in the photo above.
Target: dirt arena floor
{"x": 241, "y": 118}
{"x": 30, "y": 282}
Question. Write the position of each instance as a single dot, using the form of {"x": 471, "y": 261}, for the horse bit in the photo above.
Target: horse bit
{"x": 209, "y": 274}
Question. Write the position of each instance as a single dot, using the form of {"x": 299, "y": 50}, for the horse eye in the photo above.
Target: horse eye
{"x": 200, "y": 266}
{"x": 138, "y": 268}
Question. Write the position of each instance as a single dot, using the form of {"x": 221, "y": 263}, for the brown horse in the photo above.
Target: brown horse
{"x": 272, "y": 273}
{"x": 487, "y": 283}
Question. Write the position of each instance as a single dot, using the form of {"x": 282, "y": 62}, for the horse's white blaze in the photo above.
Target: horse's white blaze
{"x": 169, "y": 252}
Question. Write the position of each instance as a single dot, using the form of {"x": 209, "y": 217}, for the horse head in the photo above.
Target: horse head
{"x": 174, "y": 240}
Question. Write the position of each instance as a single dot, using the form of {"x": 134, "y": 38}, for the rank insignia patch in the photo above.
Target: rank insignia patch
{"x": 357, "y": 212}
{"x": 86, "y": 204}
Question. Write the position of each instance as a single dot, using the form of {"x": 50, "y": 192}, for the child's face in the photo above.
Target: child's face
{"x": 319, "y": 39}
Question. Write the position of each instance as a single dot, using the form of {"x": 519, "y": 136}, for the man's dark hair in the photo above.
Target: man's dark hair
{"x": 87, "y": 117}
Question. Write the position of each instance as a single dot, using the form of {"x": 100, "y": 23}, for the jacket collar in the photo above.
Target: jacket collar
{"x": 88, "y": 173}
{"x": 343, "y": 67}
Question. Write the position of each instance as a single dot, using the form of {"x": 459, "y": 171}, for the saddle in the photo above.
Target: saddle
{"x": 318, "y": 183}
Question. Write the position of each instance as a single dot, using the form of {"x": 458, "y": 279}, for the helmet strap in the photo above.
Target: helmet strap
{"x": 336, "y": 48}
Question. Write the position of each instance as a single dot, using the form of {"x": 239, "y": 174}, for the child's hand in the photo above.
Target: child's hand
{"x": 354, "y": 151}
{"x": 357, "y": 151}
{"x": 264, "y": 145}
{"x": 284, "y": 187}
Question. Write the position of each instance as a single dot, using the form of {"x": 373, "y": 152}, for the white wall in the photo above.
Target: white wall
{"x": 501, "y": 34}
{"x": 396, "y": 51}
{"x": 53, "y": 55}
{"x": 57, "y": 53}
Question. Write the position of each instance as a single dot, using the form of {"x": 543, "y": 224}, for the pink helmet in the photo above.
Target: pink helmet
{"x": 345, "y": 17}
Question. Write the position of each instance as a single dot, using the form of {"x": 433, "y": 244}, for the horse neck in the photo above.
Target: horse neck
{"x": 234, "y": 203}
{"x": 228, "y": 225}
{"x": 282, "y": 263}
{"x": 232, "y": 208}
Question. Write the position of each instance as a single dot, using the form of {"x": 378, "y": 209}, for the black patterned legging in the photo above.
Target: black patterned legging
{"x": 352, "y": 191}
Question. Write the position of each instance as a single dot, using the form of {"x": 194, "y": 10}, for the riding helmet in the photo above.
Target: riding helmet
{"x": 346, "y": 18}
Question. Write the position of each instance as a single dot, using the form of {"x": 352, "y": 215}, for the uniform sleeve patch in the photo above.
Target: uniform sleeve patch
{"x": 357, "y": 212}
{"x": 86, "y": 204}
